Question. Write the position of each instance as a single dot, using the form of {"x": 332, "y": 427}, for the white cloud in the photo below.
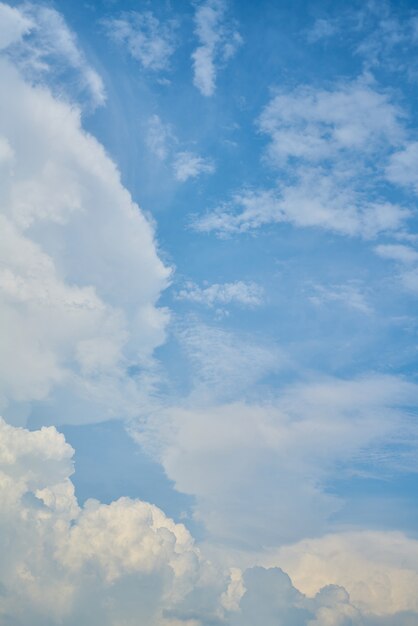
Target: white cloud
{"x": 148, "y": 41}
{"x": 41, "y": 43}
{"x": 402, "y": 167}
{"x": 376, "y": 32}
{"x": 80, "y": 274}
{"x": 231, "y": 441}
{"x": 13, "y": 25}
{"x": 161, "y": 142}
{"x": 378, "y": 569}
{"x": 97, "y": 564}
{"x": 225, "y": 365}
{"x": 329, "y": 148}
{"x": 332, "y": 206}
{"x": 159, "y": 137}
{"x": 189, "y": 165}
{"x": 322, "y": 29}
{"x": 313, "y": 124}
{"x": 397, "y": 252}
{"x": 218, "y": 43}
{"x": 406, "y": 256}
{"x": 126, "y": 563}
{"x": 239, "y": 292}
{"x": 410, "y": 280}
{"x": 348, "y": 294}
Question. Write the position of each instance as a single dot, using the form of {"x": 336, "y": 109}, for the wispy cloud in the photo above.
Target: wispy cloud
{"x": 190, "y": 165}
{"x": 148, "y": 41}
{"x": 402, "y": 168}
{"x": 219, "y": 40}
{"x": 13, "y": 25}
{"x": 349, "y": 295}
{"x": 331, "y": 206}
{"x": 43, "y": 45}
{"x": 375, "y": 32}
{"x": 163, "y": 144}
{"x": 397, "y": 252}
{"x": 322, "y": 29}
{"x": 159, "y": 137}
{"x": 239, "y": 292}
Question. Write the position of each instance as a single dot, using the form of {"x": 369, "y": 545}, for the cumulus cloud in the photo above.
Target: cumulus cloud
{"x": 148, "y": 41}
{"x": 126, "y": 562}
{"x": 330, "y": 148}
{"x": 80, "y": 274}
{"x": 97, "y": 564}
{"x": 378, "y": 569}
{"x": 239, "y": 292}
{"x": 313, "y": 124}
{"x": 218, "y": 43}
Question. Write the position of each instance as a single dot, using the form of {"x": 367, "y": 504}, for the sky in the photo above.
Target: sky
{"x": 208, "y": 296}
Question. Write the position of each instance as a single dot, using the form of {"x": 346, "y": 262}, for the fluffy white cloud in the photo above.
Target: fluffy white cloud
{"x": 312, "y": 124}
{"x": 378, "y": 569}
{"x": 147, "y": 40}
{"x": 330, "y": 148}
{"x": 100, "y": 564}
{"x": 218, "y": 43}
{"x": 80, "y": 273}
{"x": 126, "y": 563}
{"x": 239, "y": 292}
{"x": 189, "y": 165}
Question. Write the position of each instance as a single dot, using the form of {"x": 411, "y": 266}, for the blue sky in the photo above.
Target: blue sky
{"x": 209, "y": 280}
